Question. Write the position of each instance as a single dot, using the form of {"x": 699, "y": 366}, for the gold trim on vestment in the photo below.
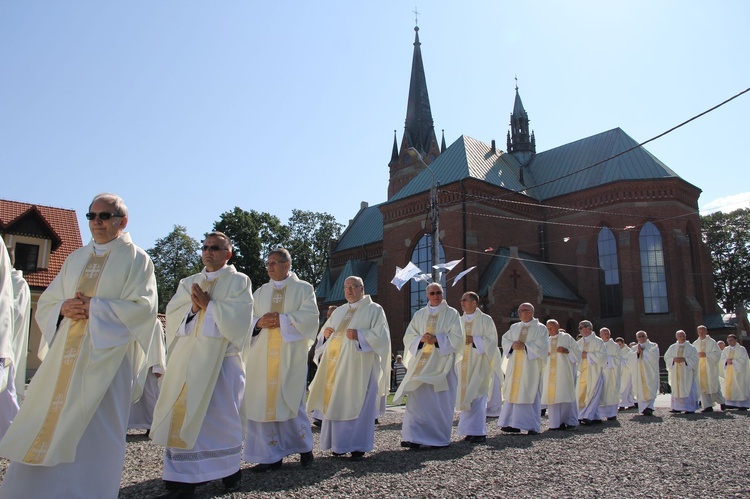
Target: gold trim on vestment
{"x": 87, "y": 284}
{"x": 180, "y": 406}
{"x": 583, "y": 378}
{"x": 468, "y": 328}
{"x": 518, "y": 357}
{"x": 703, "y": 367}
{"x": 678, "y": 373}
{"x": 644, "y": 383}
{"x": 427, "y": 349}
{"x": 332, "y": 353}
{"x": 273, "y": 369}
{"x": 552, "y": 383}
{"x": 729, "y": 375}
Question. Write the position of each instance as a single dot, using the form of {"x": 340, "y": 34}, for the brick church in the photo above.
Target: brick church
{"x": 596, "y": 229}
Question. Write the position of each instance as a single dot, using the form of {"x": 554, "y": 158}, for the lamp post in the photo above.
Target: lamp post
{"x": 434, "y": 215}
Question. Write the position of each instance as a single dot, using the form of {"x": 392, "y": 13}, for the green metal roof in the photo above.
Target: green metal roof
{"x": 465, "y": 158}
{"x": 366, "y": 228}
{"x": 549, "y": 166}
{"x": 553, "y": 285}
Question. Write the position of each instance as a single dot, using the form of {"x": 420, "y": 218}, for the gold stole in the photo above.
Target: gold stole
{"x": 180, "y": 406}
{"x": 644, "y": 384}
{"x": 468, "y": 327}
{"x": 703, "y": 368}
{"x": 273, "y": 368}
{"x": 427, "y": 349}
{"x": 678, "y": 373}
{"x": 87, "y": 284}
{"x": 583, "y": 378}
{"x": 518, "y": 357}
{"x": 729, "y": 375}
{"x": 552, "y": 382}
{"x": 332, "y": 352}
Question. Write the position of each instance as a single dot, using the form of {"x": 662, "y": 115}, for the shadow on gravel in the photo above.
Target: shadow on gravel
{"x": 641, "y": 419}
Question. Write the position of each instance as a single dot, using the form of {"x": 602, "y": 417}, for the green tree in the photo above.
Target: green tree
{"x": 175, "y": 257}
{"x": 727, "y": 236}
{"x": 310, "y": 235}
{"x": 253, "y": 235}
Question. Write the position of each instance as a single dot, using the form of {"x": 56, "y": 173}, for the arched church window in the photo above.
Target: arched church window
{"x": 422, "y": 258}
{"x": 610, "y": 291}
{"x": 652, "y": 270}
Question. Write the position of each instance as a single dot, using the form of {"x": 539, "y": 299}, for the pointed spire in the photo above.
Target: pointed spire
{"x": 420, "y": 131}
{"x": 521, "y": 143}
{"x": 394, "y": 153}
{"x": 442, "y": 143}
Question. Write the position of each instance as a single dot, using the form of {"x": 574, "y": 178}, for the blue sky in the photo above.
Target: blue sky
{"x": 187, "y": 109}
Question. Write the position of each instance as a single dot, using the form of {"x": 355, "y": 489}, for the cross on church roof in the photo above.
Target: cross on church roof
{"x": 416, "y": 16}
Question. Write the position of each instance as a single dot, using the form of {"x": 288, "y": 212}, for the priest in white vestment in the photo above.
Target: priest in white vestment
{"x": 682, "y": 363}
{"x": 590, "y": 383}
{"x": 285, "y": 323}
{"x": 432, "y": 345}
{"x": 610, "y": 401}
{"x": 643, "y": 360}
{"x": 142, "y": 410}
{"x": 709, "y": 354}
{"x": 525, "y": 351}
{"x": 8, "y": 356}
{"x": 198, "y": 414}
{"x": 353, "y": 373}
{"x": 559, "y": 380}
{"x": 736, "y": 366}
{"x": 97, "y": 321}
{"x": 474, "y": 371}
{"x": 627, "y": 397}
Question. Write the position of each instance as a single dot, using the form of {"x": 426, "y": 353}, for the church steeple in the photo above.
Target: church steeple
{"x": 521, "y": 143}
{"x": 419, "y": 129}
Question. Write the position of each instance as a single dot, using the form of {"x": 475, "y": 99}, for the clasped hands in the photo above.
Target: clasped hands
{"x": 350, "y": 333}
{"x": 77, "y": 308}
{"x": 199, "y": 298}
{"x": 429, "y": 339}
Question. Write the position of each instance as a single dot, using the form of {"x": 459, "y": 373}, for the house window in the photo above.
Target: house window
{"x": 422, "y": 258}
{"x": 610, "y": 293}
{"x": 27, "y": 256}
{"x": 652, "y": 270}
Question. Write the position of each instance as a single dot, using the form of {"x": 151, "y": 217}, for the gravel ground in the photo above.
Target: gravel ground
{"x": 667, "y": 455}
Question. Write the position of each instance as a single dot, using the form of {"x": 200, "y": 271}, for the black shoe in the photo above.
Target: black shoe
{"x": 180, "y": 493}
{"x": 596, "y": 421}
{"x": 648, "y": 411}
{"x": 410, "y": 445}
{"x": 317, "y": 422}
{"x": 532, "y": 432}
{"x": 613, "y": 418}
{"x": 148, "y": 432}
{"x": 377, "y": 421}
{"x": 689, "y": 412}
{"x": 708, "y": 409}
{"x": 263, "y": 467}
{"x": 510, "y": 429}
{"x": 338, "y": 454}
{"x": 357, "y": 455}
{"x": 232, "y": 482}
{"x": 306, "y": 458}
{"x": 673, "y": 411}
{"x": 544, "y": 411}
{"x": 469, "y": 438}
{"x": 585, "y": 422}
{"x": 723, "y": 407}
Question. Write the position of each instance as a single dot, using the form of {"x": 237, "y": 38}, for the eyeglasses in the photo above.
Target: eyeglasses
{"x": 213, "y": 247}
{"x": 352, "y": 288}
{"x": 271, "y": 264}
{"x": 433, "y": 293}
{"x": 102, "y": 216}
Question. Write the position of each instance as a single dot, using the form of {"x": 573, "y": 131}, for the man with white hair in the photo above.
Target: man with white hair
{"x": 97, "y": 322}
{"x": 589, "y": 386}
{"x": 559, "y": 382}
{"x": 610, "y": 400}
{"x": 525, "y": 348}
{"x": 736, "y": 366}
{"x": 474, "y": 370}
{"x": 354, "y": 348}
{"x": 682, "y": 362}
{"x": 709, "y": 355}
{"x": 643, "y": 360}
{"x": 432, "y": 342}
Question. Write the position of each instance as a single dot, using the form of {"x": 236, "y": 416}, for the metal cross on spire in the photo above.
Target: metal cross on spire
{"x": 416, "y": 16}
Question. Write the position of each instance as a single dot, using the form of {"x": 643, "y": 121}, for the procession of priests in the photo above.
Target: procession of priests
{"x": 227, "y": 380}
